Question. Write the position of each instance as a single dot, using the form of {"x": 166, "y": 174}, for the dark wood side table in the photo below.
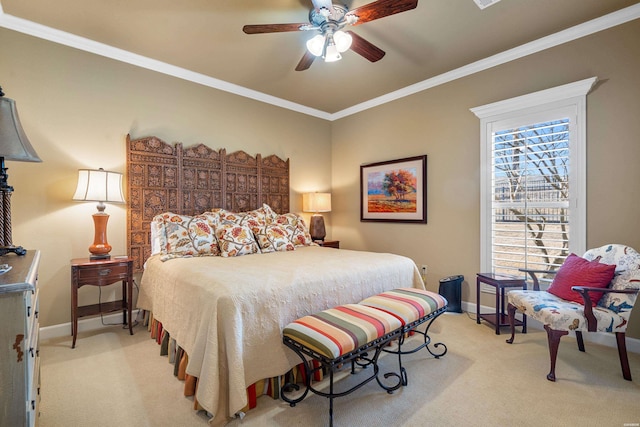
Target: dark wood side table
{"x": 329, "y": 243}
{"x": 500, "y": 282}
{"x": 101, "y": 273}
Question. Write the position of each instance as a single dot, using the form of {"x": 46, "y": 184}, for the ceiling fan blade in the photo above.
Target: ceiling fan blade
{"x": 381, "y": 8}
{"x": 306, "y": 61}
{"x": 365, "y": 48}
{"x": 271, "y": 28}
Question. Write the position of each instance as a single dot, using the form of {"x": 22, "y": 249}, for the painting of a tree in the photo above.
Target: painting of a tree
{"x": 398, "y": 184}
{"x": 394, "y": 190}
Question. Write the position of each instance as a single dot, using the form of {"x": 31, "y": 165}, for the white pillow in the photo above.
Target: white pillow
{"x": 157, "y": 236}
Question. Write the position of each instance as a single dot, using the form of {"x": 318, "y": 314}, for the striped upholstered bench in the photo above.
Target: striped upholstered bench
{"x": 412, "y": 307}
{"x": 358, "y": 333}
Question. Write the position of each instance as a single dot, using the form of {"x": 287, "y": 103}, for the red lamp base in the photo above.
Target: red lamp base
{"x": 100, "y": 248}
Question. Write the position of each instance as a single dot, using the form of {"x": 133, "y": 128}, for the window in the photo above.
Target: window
{"x": 533, "y": 180}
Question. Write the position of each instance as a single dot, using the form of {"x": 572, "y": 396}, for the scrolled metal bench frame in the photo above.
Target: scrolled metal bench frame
{"x": 411, "y": 327}
{"x": 357, "y": 356}
{"x": 331, "y": 365}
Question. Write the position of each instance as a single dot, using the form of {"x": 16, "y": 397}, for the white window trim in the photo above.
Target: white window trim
{"x": 572, "y": 94}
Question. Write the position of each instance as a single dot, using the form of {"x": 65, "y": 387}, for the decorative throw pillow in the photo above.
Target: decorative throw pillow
{"x": 269, "y": 213}
{"x": 622, "y": 302}
{"x": 272, "y": 238}
{"x": 229, "y": 216}
{"x": 189, "y": 236}
{"x": 576, "y": 271}
{"x": 255, "y": 218}
{"x": 235, "y": 240}
{"x": 296, "y": 229}
{"x": 158, "y": 235}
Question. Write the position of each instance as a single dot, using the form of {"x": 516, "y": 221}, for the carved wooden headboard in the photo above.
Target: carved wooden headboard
{"x": 189, "y": 181}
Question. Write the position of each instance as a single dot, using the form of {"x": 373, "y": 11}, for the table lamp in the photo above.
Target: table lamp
{"x": 99, "y": 185}
{"x": 316, "y": 203}
{"x": 14, "y": 145}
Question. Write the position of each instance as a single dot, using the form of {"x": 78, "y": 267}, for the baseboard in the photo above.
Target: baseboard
{"x": 609, "y": 340}
{"x": 90, "y": 324}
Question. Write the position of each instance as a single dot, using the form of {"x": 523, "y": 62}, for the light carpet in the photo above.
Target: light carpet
{"x": 114, "y": 379}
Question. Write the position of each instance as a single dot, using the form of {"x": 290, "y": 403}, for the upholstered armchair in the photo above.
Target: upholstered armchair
{"x": 595, "y": 293}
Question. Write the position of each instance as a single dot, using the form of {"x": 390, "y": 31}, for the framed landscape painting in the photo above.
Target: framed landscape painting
{"x": 395, "y": 190}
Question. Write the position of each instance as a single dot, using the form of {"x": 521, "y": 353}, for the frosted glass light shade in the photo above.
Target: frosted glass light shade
{"x": 342, "y": 40}
{"x": 332, "y": 54}
{"x": 316, "y": 45}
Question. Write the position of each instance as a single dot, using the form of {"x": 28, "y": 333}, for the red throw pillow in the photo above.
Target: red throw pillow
{"x": 576, "y": 271}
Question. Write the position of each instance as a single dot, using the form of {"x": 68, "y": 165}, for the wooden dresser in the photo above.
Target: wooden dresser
{"x": 19, "y": 358}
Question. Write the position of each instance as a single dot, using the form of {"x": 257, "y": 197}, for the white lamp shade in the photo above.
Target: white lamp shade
{"x": 99, "y": 186}
{"x": 316, "y": 202}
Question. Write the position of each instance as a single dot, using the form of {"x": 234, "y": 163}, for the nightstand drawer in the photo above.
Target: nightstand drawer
{"x": 87, "y": 272}
{"x": 103, "y": 272}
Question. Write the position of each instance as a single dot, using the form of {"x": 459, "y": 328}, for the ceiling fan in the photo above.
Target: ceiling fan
{"x": 328, "y": 20}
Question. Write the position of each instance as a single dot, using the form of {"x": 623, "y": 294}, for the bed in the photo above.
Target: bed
{"x": 226, "y": 308}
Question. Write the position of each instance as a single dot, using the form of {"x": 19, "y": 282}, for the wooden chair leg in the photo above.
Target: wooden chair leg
{"x": 622, "y": 352}
{"x": 553, "y": 337}
{"x": 511, "y": 309}
{"x": 580, "y": 340}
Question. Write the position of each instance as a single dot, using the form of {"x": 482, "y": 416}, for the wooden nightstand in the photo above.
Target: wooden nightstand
{"x": 500, "y": 282}
{"x": 101, "y": 273}
{"x": 329, "y": 243}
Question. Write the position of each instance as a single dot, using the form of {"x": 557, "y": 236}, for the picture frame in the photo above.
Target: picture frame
{"x": 394, "y": 190}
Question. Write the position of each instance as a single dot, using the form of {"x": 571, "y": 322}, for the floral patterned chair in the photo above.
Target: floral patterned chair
{"x": 600, "y": 290}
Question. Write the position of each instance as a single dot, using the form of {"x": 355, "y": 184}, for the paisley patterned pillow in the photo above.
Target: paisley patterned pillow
{"x": 255, "y": 218}
{"x": 272, "y": 238}
{"x": 188, "y": 236}
{"x": 235, "y": 239}
{"x": 296, "y": 228}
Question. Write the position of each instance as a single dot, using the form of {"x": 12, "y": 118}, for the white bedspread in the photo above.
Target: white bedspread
{"x": 228, "y": 313}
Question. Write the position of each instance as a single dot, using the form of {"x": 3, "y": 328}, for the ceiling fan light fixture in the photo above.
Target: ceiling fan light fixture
{"x": 331, "y": 53}
{"x": 316, "y": 45}
{"x": 343, "y": 40}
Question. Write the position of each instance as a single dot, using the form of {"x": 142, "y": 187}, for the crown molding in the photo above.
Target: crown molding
{"x": 590, "y": 27}
{"x": 51, "y": 34}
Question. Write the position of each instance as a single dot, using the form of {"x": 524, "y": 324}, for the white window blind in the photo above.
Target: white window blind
{"x": 530, "y": 196}
{"x": 533, "y": 179}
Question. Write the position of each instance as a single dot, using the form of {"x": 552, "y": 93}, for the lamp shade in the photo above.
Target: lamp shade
{"x": 14, "y": 144}
{"x": 316, "y": 202}
{"x": 99, "y": 185}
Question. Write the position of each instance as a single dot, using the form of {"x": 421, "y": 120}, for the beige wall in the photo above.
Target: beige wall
{"x": 437, "y": 122}
{"x": 77, "y": 109}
